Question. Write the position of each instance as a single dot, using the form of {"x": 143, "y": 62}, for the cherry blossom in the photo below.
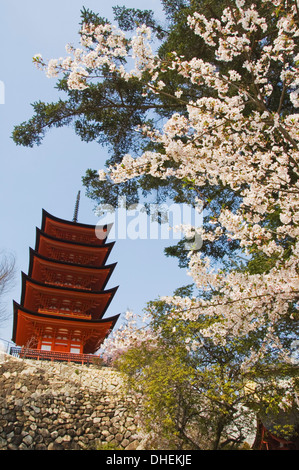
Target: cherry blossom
{"x": 254, "y": 154}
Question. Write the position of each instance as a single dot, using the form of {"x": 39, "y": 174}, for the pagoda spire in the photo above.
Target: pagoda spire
{"x": 75, "y": 217}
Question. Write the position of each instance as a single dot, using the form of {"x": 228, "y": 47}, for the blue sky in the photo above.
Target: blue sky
{"x": 49, "y": 176}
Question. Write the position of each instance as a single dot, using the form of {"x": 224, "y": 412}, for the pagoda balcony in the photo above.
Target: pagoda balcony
{"x": 68, "y": 284}
{"x": 41, "y": 355}
{"x": 53, "y": 311}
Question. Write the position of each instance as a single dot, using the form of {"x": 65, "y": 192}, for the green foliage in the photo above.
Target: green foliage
{"x": 46, "y": 116}
{"x": 129, "y": 18}
{"x": 107, "y": 446}
{"x": 98, "y": 362}
{"x": 163, "y": 377}
{"x": 195, "y": 394}
{"x": 110, "y": 109}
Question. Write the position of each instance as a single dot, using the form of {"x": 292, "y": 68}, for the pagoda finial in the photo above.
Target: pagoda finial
{"x": 75, "y": 218}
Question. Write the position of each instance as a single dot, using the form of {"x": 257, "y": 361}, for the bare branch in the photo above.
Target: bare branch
{"x": 7, "y": 274}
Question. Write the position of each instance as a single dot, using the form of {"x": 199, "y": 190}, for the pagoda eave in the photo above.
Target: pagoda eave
{"x": 46, "y": 215}
{"x": 96, "y": 255}
{"x": 51, "y": 224}
{"x": 99, "y": 275}
{"x": 74, "y": 244}
{"x": 28, "y": 321}
{"x": 26, "y": 278}
{"x": 99, "y": 301}
{"x": 34, "y": 253}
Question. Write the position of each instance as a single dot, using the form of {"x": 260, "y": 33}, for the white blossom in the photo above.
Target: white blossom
{"x": 255, "y": 154}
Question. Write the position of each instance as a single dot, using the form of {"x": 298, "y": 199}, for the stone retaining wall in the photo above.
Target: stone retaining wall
{"x": 60, "y": 406}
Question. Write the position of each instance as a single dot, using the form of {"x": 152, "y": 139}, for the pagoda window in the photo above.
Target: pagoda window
{"x": 66, "y": 305}
{"x": 69, "y": 280}
{"x": 61, "y": 340}
{"x": 62, "y": 331}
{"x": 60, "y": 346}
{"x": 77, "y": 307}
{"x": 79, "y": 282}
{"x": 51, "y": 303}
{"x": 51, "y": 277}
{"x": 57, "y": 278}
{"x": 46, "y": 343}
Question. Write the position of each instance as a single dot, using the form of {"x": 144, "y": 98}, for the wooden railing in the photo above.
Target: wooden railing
{"x": 39, "y": 354}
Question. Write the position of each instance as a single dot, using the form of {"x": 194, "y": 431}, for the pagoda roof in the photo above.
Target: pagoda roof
{"x": 50, "y": 224}
{"x": 72, "y": 246}
{"x": 24, "y": 319}
{"x": 97, "y": 302}
{"x": 102, "y": 273}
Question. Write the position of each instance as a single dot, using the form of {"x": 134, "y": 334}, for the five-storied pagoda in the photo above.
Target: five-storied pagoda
{"x": 64, "y": 295}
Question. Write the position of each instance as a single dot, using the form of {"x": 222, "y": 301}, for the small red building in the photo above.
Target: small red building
{"x": 64, "y": 296}
{"x": 278, "y": 432}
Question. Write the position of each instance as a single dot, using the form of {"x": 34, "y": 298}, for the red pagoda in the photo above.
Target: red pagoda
{"x": 64, "y": 295}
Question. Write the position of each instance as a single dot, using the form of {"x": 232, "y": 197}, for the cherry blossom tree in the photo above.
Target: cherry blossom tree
{"x": 230, "y": 136}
